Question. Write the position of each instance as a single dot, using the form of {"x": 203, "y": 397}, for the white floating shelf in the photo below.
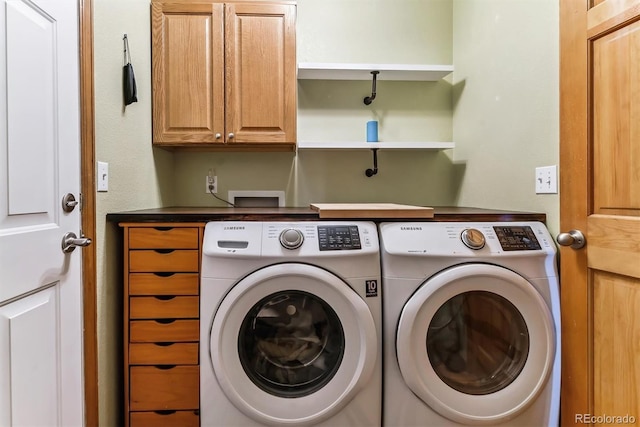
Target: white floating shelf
{"x": 335, "y": 145}
{"x": 339, "y": 71}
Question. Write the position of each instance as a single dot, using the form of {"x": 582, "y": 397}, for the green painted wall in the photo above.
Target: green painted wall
{"x": 378, "y": 31}
{"x": 506, "y": 102}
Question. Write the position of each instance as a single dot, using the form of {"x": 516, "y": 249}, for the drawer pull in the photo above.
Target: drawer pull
{"x": 164, "y": 274}
{"x": 165, "y": 412}
{"x": 165, "y": 367}
{"x": 165, "y": 321}
{"x": 164, "y": 251}
{"x": 163, "y": 228}
{"x": 164, "y": 344}
{"x": 164, "y": 297}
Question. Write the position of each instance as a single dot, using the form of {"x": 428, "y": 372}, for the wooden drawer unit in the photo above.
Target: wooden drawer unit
{"x": 164, "y": 307}
{"x": 162, "y": 324}
{"x": 163, "y": 284}
{"x": 169, "y": 330}
{"x": 163, "y": 238}
{"x": 164, "y": 260}
{"x": 156, "y": 388}
{"x": 165, "y": 419}
{"x": 181, "y": 353}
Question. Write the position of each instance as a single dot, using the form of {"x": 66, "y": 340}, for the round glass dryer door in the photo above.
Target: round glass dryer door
{"x": 476, "y": 343}
{"x": 291, "y": 344}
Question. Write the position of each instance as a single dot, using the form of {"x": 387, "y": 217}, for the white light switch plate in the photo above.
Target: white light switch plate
{"x": 547, "y": 180}
{"x": 103, "y": 176}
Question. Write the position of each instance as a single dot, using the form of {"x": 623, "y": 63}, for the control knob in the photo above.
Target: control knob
{"x": 291, "y": 238}
{"x": 473, "y": 238}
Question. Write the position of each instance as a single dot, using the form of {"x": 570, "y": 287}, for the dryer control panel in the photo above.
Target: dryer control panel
{"x": 517, "y": 238}
{"x": 338, "y": 237}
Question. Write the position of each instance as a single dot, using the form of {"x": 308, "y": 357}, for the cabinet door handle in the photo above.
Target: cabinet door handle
{"x": 231, "y": 135}
{"x": 218, "y": 135}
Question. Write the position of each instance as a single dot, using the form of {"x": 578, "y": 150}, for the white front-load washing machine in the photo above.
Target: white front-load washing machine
{"x": 471, "y": 324}
{"x": 290, "y": 324}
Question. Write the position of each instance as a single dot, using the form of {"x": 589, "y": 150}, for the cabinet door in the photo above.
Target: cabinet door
{"x": 188, "y": 73}
{"x": 261, "y": 73}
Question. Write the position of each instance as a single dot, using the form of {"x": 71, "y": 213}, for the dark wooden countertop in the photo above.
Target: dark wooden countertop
{"x": 204, "y": 214}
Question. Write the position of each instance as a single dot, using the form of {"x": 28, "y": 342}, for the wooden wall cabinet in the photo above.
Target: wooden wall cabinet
{"x": 161, "y": 324}
{"x": 224, "y": 74}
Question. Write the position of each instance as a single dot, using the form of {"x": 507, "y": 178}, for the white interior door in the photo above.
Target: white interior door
{"x": 40, "y": 286}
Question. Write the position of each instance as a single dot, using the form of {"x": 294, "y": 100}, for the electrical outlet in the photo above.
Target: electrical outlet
{"x": 547, "y": 180}
{"x": 213, "y": 181}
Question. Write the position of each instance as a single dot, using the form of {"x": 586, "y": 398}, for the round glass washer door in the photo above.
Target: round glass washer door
{"x": 476, "y": 343}
{"x": 292, "y": 344}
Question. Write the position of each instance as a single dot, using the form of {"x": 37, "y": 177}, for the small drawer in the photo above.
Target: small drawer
{"x": 165, "y": 419}
{"x": 185, "y": 353}
{"x": 163, "y": 238}
{"x": 164, "y": 261}
{"x": 164, "y": 307}
{"x": 163, "y": 284}
{"x": 164, "y": 330}
{"x": 154, "y": 388}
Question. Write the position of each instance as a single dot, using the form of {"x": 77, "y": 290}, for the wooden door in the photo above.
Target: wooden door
{"x": 600, "y": 195}
{"x": 41, "y": 376}
{"x": 261, "y": 73}
{"x": 187, "y": 44}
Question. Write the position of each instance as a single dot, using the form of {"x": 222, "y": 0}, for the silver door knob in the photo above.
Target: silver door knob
{"x": 231, "y": 135}
{"x": 218, "y": 136}
{"x": 573, "y": 238}
{"x": 70, "y": 242}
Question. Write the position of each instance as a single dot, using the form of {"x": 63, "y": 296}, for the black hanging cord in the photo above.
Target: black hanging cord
{"x": 221, "y": 199}
{"x": 369, "y": 99}
{"x": 371, "y": 172}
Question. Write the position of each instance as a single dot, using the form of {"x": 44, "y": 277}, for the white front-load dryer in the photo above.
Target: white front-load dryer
{"x": 291, "y": 324}
{"x": 471, "y": 324}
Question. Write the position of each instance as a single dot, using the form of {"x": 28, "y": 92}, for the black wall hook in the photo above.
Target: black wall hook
{"x": 369, "y": 99}
{"x": 371, "y": 172}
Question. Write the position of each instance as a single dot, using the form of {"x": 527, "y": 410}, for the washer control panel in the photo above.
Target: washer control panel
{"x": 517, "y": 238}
{"x": 253, "y": 239}
{"x": 338, "y": 237}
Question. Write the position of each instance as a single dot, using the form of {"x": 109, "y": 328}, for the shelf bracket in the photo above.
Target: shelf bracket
{"x": 371, "y": 172}
{"x": 369, "y": 99}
